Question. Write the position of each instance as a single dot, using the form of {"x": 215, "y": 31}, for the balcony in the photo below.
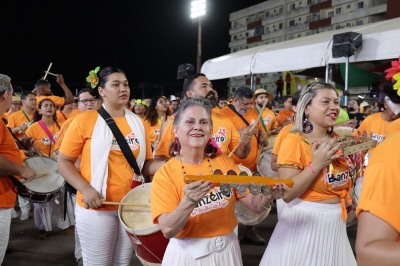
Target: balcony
{"x": 298, "y": 11}
{"x": 322, "y": 5}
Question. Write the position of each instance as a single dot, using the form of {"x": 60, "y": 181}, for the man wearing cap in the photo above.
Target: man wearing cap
{"x": 10, "y": 164}
{"x": 268, "y": 118}
{"x": 15, "y": 106}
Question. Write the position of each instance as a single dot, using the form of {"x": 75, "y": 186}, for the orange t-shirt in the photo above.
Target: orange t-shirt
{"x": 77, "y": 142}
{"x": 224, "y": 134}
{"x": 285, "y": 116}
{"x": 281, "y": 136}
{"x": 154, "y": 130}
{"x": 296, "y": 153}
{"x": 62, "y": 133}
{"x": 9, "y": 150}
{"x": 42, "y": 140}
{"x": 17, "y": 119}
{"x": 74, "y": 113}
{"x": 215, "y": 213}
{"x": 375, "y": 125}
{"x": 269, "y": 119}
{"x": 381, "y": 186}
{"x": 251, "y": 117}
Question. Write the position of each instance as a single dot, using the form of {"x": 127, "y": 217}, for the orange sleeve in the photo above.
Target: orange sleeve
{"x": 291, "y": 153}
{"x": 281, "y": 136}
{"x": 380, "y": 188}
{"x": 165, "y": 142}
{"x": 62, "y": 133}
{"x": 149, "y": 154}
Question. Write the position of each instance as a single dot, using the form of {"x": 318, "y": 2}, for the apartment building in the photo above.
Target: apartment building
{"x": 274, "y": 21}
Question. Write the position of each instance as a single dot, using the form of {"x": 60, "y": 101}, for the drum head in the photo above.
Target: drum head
{"x": 343, "y": 131}
{"x": 247, "y": 217}
{"x": 49, "y": 181}
{"x": 138, "y": 219}
{"x": 264, "y": 165}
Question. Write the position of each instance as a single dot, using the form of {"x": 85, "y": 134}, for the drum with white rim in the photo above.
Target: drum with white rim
{"x": 146, "y": 237}
{"x": 48, "y": 182}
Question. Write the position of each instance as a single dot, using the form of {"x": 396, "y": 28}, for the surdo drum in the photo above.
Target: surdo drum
{"x": 146, "y": 237}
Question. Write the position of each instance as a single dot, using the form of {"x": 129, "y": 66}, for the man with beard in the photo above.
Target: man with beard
{"x": 224, "y": 133}
{"x": 268, "y": 118}
{"x": 245, "y": 120}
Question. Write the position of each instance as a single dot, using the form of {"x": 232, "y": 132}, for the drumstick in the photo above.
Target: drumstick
{"x": 47, "y": 72}
{"x": 37, "y": 150}
{"x": 124, "y": 204}
{"x": 251, "y": 129}
{"x": 23, "y": 180}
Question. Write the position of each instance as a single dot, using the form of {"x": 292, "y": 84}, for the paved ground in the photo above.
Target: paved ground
{"x": 58, "y": 247}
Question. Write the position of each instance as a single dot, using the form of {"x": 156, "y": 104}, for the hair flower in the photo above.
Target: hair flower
{"x": 396, "y": 85}
{"x": 390, "y": 72}
{"x": 93, "y": 79}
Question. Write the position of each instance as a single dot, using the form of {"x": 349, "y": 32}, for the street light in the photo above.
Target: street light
{"x": 198, "y": 9}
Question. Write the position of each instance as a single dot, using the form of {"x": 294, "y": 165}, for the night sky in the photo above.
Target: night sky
{"x": 147, "y": 39}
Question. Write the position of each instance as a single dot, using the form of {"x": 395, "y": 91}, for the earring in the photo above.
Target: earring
{"x": 209, "y": 149}
{"x": 307, "y": 126}
{"x": 176, "y": 147}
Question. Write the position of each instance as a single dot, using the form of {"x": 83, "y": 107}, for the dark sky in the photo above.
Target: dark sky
{"x": 148, "y": 39}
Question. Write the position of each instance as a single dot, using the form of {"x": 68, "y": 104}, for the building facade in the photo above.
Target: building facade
{"x": 274, "y": 21}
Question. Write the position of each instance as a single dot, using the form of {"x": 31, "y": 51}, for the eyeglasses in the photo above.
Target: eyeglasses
{"x": 86, "y": 101}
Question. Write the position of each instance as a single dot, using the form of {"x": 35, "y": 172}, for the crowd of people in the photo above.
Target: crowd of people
{"x": 93, "y": 138}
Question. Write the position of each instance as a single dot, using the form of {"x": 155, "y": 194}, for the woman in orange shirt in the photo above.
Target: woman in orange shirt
{"x": 312, "y": 227}
{"x": 104, "y": 173}
{"x": 156, "y": 115}
{"x": 198, "y": 218}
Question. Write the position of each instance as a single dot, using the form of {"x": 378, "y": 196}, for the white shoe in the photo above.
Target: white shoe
{"x": 14, "y": 214}
{"x": 24, "y": 215}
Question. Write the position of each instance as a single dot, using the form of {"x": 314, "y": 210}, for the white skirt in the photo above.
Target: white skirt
{"x": 309, "y": 233}
{"x": 177, "y": 255}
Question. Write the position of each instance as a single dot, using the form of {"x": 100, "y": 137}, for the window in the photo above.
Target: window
{"x": 267, "y": 14}
{"x": 359, "y": 22}
{"x": 280, "y": 26}
{"x": 330, "y": 14}
{"x": 338, "y": 10}
{"x": 360, "y": 5}
{"x": 291, "y": 23}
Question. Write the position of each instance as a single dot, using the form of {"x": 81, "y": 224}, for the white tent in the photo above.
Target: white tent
{"x": 379, "y": 43}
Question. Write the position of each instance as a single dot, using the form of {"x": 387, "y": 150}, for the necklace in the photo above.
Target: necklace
{"x": 183, "y": 168}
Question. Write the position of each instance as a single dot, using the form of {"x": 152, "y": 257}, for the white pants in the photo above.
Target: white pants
{"x": 102, "y": 237}
{"x": 5, "y": 222}
{"x": 78, "y": 248}
{"x": 24, "y": 204}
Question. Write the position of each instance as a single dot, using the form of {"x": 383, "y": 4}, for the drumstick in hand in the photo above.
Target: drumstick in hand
{"x": 251, "y": 129}
{"x": 47, "y": 72}
{"x": 125, "y": 204}
{"x": 36, "y": 148}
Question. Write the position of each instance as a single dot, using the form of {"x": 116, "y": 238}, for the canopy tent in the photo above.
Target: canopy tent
{"x": 307, "y": 52}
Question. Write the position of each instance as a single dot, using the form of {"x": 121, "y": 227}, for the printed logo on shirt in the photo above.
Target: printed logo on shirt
{"x": 267, "y": 119}
{"x": 337, "y": 180}
{"x": 220, "y": 136}
{"x": 47, "y": 141}
{"x": 377, "y": 137}
{"x": 133, "y": 142}
{"x": 211, "y": 201}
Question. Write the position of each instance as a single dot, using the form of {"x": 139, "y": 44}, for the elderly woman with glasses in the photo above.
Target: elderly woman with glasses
{"x": 312, "y": 227}
{"x": 198, "y": 218}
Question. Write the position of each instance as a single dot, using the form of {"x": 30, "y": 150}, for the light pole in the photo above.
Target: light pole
{"x": 198, "y": 9}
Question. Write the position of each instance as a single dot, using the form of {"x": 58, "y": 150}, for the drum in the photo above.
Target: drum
{"x": 264, "y": 164}
{"x": 146, "y": 237}
{"x": 48, "y": 182}
{"x": 243, "y": 214}
{"x": 343, "y": 131}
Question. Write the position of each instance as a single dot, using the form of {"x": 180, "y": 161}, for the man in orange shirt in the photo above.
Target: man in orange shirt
{"x": 285, "y": 116}
{"x": 268, "y": 117}
{"x": 10, "y": 164}
{"x": 43, "y": 90}
{"x": 20, "y": 120}
{"x": 244, "y": 118}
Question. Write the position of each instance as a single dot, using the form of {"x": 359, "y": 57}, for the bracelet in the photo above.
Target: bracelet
{"x": 310, "y": 168}
{"x": 266, "y": 207}
{"x": 191, "y": 200}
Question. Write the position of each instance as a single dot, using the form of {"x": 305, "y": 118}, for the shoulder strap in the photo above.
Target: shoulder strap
{"x": 120, "y": 140}
{"x": 26, "y": 116}
{"x": 47, "y": 131}
{"x": 236, "y": 112}
{"x": 261, "y": 119}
